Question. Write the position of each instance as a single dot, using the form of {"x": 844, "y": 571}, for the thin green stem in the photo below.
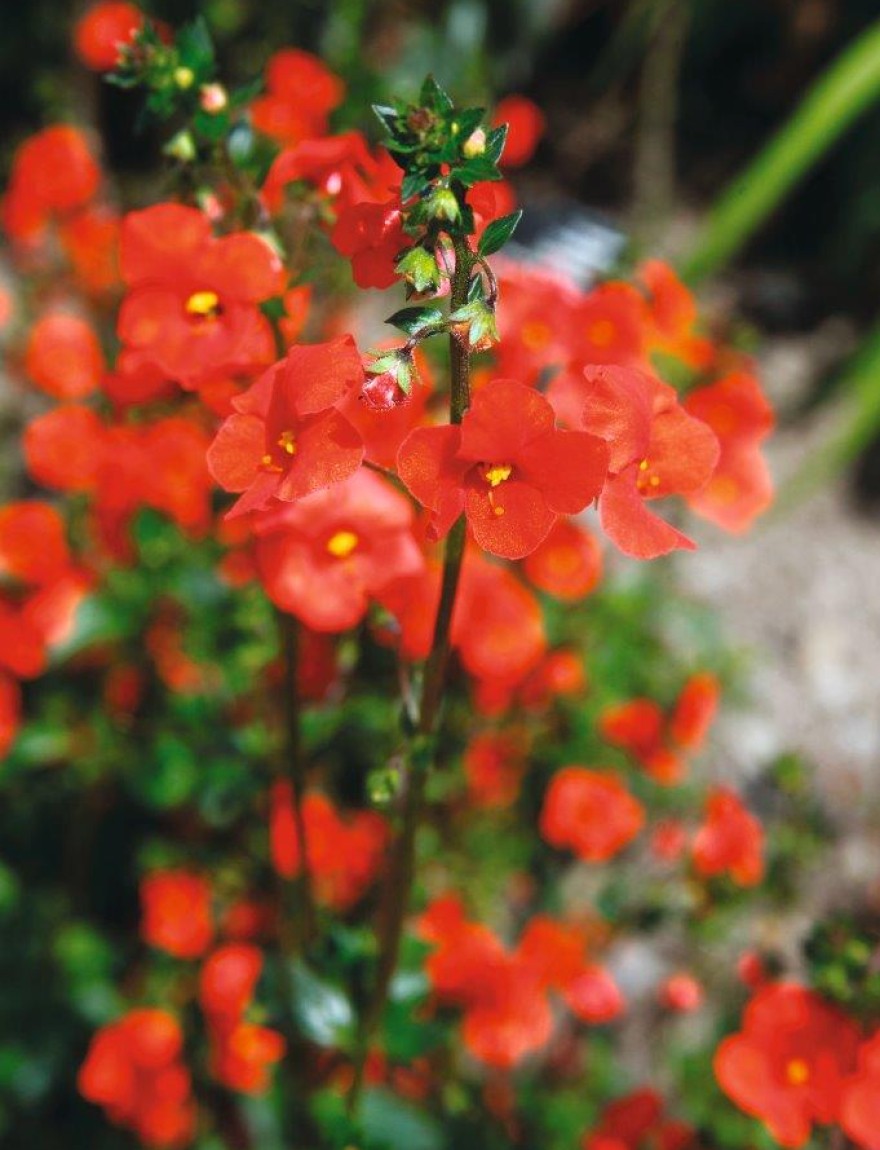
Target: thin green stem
{"x": 421, "y": 752}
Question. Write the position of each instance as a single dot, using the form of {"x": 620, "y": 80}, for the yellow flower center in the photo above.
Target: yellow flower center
{"x": 535, "y": 335}
{"x": 203, "y": 305}
{"x": 645, "y": 478}
{"x": 797, "y": 1072}
{"x": 497, "y": 473}
{"x": 287, "y": 442}
{"x": 342, "y": 544}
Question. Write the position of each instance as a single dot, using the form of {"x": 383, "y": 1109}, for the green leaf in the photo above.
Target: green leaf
{"x": 388, "y": 1121}
{"x": 475, "y": 171}
{"x": 498, "y": 233}
{"x": 413, "y": 183}
{"x": 495, "y": 142}
{"x": 323, "y": 1012}
{"x": 435, "y": 97}
{"x": 412, "y": 320}
{"x": 196, "y": 48}
{"x": 388, "y": 116}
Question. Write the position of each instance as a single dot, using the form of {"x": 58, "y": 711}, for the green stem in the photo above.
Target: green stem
{"x": 846, "y": 89}
{"x": 421, "y": 752}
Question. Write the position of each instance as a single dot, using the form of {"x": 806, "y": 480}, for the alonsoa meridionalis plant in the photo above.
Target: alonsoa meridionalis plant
{"x": 351, "y": 712}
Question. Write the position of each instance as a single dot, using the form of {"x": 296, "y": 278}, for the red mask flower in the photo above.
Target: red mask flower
{"x": 325, "y": 557}
{"x": 192, "y": 305}
{"x": 103, "y": 30}
{"x": 730, "y": 841}
{"x": 788, "y": 1064}
{"x": 590, "y": 813}
{"x": 370, "y": 235}
{"x": 860, "y": 1109}
{"x": 525, "y": 127}
{"x": 227, "y": 982}
{"x": 568, "y": 564}
{"x": 493, "y": 766}
{"x": 286, "y": 439}
{"x": 741, "y": 486}
{"x": 302, "y": 92}
{"x": 176, "y": 912}
{"x": 636, "y": 1122}
{"x": 63, "y": 356}
{"x": 507, "y": 466}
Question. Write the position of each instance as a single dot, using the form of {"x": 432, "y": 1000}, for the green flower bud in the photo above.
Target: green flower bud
{"x": 419, "y": 268}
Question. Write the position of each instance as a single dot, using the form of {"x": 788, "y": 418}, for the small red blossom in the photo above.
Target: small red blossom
{"x": 371, "y": 235}
{"x": 242, "y": 1057}
{"x": 341, "y": 168}
{"x": 507, "y": 467}
{"x": 730, "y": 841}
{"x": 227, "y": 982}
{"x": 286, "y": 439}
{"x": 63, "y": 356}
{"x": 325, "y": 557}
{"x": 672, "y": 316}
{"x": 344, "y": 854}
{"x": 741, "y": 487}
{"x": 133, "y": 1069}
{"x": 176, "y": 912}
{"x": 637, "y": 1122}
{"x": 525, "y": 127}
{"x": 103, "y": 30}
{"x": 53, "y": 174}
{"x": 682, "y": 993}
{"x": 590, "y": 813}
{"x": 493, "y": 767}
{"x": 789, "y": 1063}
{"x": 301, "y": 93}
{"x": 192, "y": 307}
{"x": 860, "y": 1107}
{"x": 568, "y": 564}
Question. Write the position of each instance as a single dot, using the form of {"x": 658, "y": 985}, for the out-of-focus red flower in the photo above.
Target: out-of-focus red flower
{"x": 656, "y": 741}
{"x": 103, "y": 30}
{"x": 610, "y": 326}
{"x": 730, "y": 841}
{"x": 741, "y": 487}
{"x": 242, "y": 1057}
{"x": 344, "y": 854}
{"x": 341, "y": 168}
{"x": 53, "y": 173}
{"x": 176, "y": 912}
{"x": 10, "y": 712}
{"x": 63, "y": 356}
{"x": 493, "y": 766}
{"x": 227, "y": 982}
{"x": 751, "y": 969}
{"x": 590, "y": 813}
{"x": 788, "y": 1064}
{"x": 192, "y": 306}
{"x": 568, "y": 564}
{"x": 90, "y": 239}
{"x": 682, "y": 993}
{"x": 371, "y": 236}
{"x": 672, "y": 316}
{"x": 860, "y": 1108}
{"x": 33, "y": 543}
{"x": 326, "y": 556}
{"x": 668, "y": 840}
{"x": 536, "y": 325}
{"x": 525, "y": 122}
{"x": 133, "y": 1070}
{"x": 636, "y": 1121}
{"x": 286, "y": 439}
{"x": 507, "y": 467}
{"x": 301, "y": 94}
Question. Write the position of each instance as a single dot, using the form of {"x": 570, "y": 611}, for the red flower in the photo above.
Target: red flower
{"x": 507, "y": 467}
{"x": 286, "y": 439}
{"x": 695, "y": 711}
{"x": 325, "y": 557}
{"x": 10, "y": 712}
{"x": 739, "y": 414}
{"x": 635, "y": 1122}
{"x": 91, "y": 242}
{"x": 657, "y": 449}
{"x": 493, "y": 766}
{"x": 342, "y": 168}
{"x": 568, "y": 564}
{"x": 133, "y": 1070}
{"x": 103, "y": 30}
{"x": 227, "y": 982}
{"x": 525, "y": 122}
{"x": 33, "y": 543}
{"x": 860, "y": 1108}
{"x": 788, "y": 1064}
{"x": 371, "y": 235}
{"x": 63, "y": 356}
{"x": 344, "y": 855}
{"x": 242, "y": 1056}
{"x": 176, "y": 912}
{"x": 192, "y": 305}
{"x": 731, "y": 841}
{"x": 672, "y": 316}
{"x": 610, "y": 326}
{"x": 53, "y": 173}
{"x": 302, "y": 92}
{"x": 590, "y": 813}
{"x": 682, "y": 993}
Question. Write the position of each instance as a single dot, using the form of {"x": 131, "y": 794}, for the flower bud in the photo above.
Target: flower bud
{"x": 389, "y": 380}
{"x": 181, "y": 147}
{"x": 442, "y": 204}
{"x": 213, "y": 98}
{"x": 419, "y": 268}
{"x": 474, "y": 145}
{"x": 184, "y": 77}
{"x": 475, "y": 322}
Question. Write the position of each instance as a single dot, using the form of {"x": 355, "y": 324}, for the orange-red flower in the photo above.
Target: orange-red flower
{"x": 741, "y": 486}
{"x": 525, "y": 126}
{"x": 371, "y": 235}
{"x": 730, "y": 841}
{"x": 103, "y": 30}
{"x": 133, "y": 1069}
{"x": 860, "y": 1108}
{"x": 637, "y": 1122}
{"x": 590, "y": 813}
{"x": 53, "y": 174}
{"x": 325, "y": 557}
{"x": 507, "y": 467}
{"x": 788, "y": 1064}
{"x": 301, "y": 93}
{"x": 344, "y": 854}
{"x": 227, "y": 981}
{"x": 493, "y": 767}
{"x": 286, "y": 439}
{"x": 63, "y": 356}
{"x": 567, "y": 564}
{"x": 176, "y": 912}
{"x": 192, "y": 307}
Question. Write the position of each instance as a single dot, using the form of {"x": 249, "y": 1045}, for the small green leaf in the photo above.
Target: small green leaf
{"x": 196, "y": 48}
{"x": 495, "y": 142}
{"x": 475, "y": 171}
{"x": 387, "y": 116}
{"x": 498, "y": 233}
{"x": 434, "y": 97}
{"x": 412, "y": 320}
